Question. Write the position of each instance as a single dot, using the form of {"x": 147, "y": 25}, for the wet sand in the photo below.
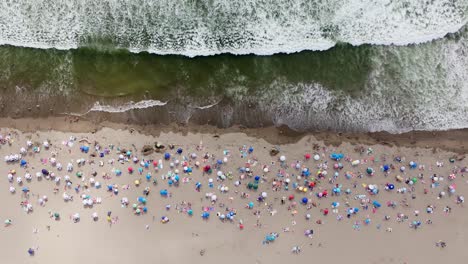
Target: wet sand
{"x": 143, "y": 238}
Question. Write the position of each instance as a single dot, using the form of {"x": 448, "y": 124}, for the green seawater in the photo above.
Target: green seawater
{"x": 120, "y": 73}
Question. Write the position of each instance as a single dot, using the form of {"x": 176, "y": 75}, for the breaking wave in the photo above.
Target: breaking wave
{"x": 203, "y": 28}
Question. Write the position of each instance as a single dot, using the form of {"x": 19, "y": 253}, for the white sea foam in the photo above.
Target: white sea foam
{"x": 98, "y": 107}
{"x": 208, "y": 106}
{"x": 225, "y": 26}
{"x": 408, "y": 88}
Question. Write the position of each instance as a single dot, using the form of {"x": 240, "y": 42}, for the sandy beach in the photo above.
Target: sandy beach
{"x": 355, "y": 216}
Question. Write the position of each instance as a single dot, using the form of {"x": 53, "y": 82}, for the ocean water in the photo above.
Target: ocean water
{"x": 356, "y": 65}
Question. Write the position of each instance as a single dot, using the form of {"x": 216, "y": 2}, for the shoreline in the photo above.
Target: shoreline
{"x": 451, "y": 140}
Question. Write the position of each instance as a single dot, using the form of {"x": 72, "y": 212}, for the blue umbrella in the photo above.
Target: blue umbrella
{"x": 376, "y": 204}
{"x": 205, "y": 215}
{"x": 386, "y": 167}
{"x": 336, "y": 156}
{"x": 251, "y": 149}
{"x": 84, "y": 149}
{"x": 305, "y": 200}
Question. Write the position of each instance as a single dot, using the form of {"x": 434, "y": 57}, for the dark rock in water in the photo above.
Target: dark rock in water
{"x": 147, "y": 150}
{"x": 274, "y": 152}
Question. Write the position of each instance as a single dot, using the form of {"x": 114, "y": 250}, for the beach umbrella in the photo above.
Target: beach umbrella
{"x": 336, "y": 156}
{"x": 205, "y": 215}
{"x": 190, "y": 212}
{"x": 270, "y": 237}
{"x": 251, "y": 205}
{"x": 376, "y": 204}
{"x": 167, "y": 156}
{"x": 305, "y": 200}
{"x": 391, "y": 186}
{"x": 251, "y": 149}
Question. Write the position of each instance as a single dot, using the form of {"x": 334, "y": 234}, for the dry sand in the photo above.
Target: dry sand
{"x": 143, "y": 238}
